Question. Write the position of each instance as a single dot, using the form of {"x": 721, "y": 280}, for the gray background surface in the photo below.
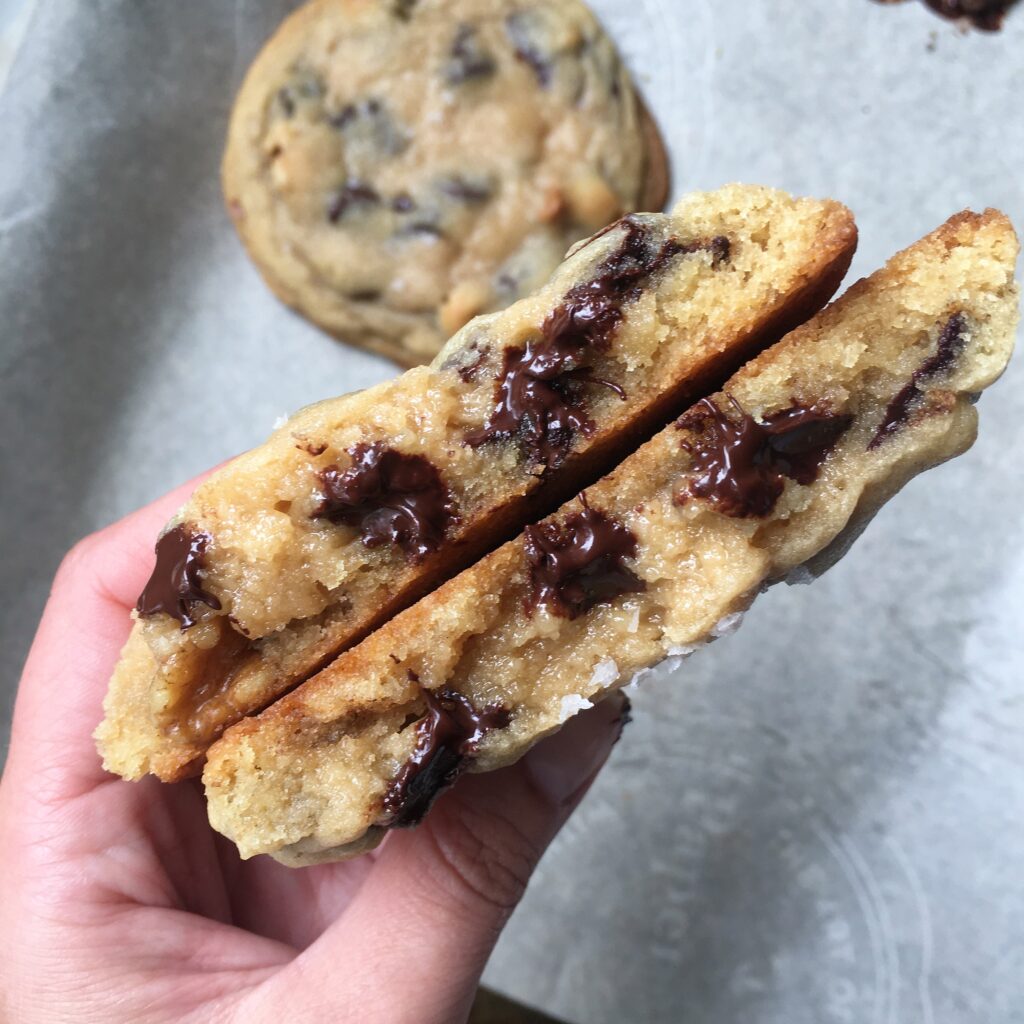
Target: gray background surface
{"x": 817, "y": 820}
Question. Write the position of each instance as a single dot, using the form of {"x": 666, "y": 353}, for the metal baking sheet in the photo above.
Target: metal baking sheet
{"x": 818, "y": 820}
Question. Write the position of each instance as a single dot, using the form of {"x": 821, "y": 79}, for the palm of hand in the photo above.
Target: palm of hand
{"x": 119, "y": 903}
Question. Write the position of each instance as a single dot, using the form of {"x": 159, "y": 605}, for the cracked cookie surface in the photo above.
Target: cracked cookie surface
{"x": 394, "y": 170}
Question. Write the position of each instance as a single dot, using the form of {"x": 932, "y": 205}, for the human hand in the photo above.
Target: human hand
{"x": 119, "y": 903}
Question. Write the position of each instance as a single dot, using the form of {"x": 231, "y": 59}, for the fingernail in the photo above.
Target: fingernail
{"x": 564, "y": 765}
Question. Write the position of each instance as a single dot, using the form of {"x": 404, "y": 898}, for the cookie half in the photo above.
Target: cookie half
{"x": 358, "y": 506}
{"x": 771, "y": 476}
{"x": 395, "y": 168}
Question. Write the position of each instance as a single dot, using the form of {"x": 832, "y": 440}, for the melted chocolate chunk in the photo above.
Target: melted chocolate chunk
{"x": 539, "y": 398}
{"x": 592, "y": 311}
{"x": 949, "y": 348}
{"x": 578, "y": 563}
{"x": 403, "y": 203}
{"x": 391, "y": 498}
{"x": 539, "y": 402}
{"x": 446, "y": 738}
{"x": 987, "y": 15}
{"x": 175, "y": 587}
{"x": 352, "y": 193}
{"x": 468, "y": 59}
{"x": 521, "y": 28}
{"x": 739, "y": 464}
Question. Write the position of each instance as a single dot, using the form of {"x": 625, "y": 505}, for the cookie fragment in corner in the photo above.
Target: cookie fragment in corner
{"x": 803, "y": 443}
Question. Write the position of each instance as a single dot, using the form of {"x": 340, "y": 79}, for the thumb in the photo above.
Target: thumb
{"x": 414, "y": 941}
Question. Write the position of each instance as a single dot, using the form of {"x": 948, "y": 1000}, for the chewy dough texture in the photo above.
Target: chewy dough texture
{"x": 360, "y": 505}
{"x": 773, "y": 475}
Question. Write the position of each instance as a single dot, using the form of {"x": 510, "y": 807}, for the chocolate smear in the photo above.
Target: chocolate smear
{"x": 739, "y": 464}
{"x": 390, "y": 498}
{"x": 446, "y": 738}
{"x": 579, "y": 562}
{"x": 540, "y": 399}
{"x": 950, "y": 345}
{"x": 175, "y": 586}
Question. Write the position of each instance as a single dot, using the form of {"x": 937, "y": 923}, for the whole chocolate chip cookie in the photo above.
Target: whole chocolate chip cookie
{"x": 396, "y": 167}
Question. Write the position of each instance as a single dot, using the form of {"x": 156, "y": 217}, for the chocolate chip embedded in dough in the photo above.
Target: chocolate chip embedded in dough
{"x": 740, "y": 464}
{"x": 579, "y": 562}
{"x": 369, "y": 123}
{"x": 402, "y": 9}
{"x": 539, "y": 399}
{"x": 391, "y": 498}
{"x": 468, "y": 59}
{"x": 467, "y": 189}
{"x": 951, "y": 341}
{"x": 447, "y": 737}
{"x": 175, "y": 586}
{"x": 522, "y": 28}
{"x": 353, "y": 194}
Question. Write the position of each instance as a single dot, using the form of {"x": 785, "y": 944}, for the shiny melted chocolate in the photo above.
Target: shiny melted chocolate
{"x": 952, "y": 340}
{"x": 540, "y": 397}
{"x": 739, "y": 464}
{"x": 391, "y": 498}
{"x": 175, "y": 586}
{"x": 579, "y": 562}
{"x": 446, "y": 738}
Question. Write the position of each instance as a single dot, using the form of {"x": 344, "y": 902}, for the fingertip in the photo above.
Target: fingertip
{"x": 564, "y": 765}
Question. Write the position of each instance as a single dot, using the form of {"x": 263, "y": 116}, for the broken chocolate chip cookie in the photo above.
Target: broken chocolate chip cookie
{"x": 359, "y": 505}
{"x": 771, "y": 476}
